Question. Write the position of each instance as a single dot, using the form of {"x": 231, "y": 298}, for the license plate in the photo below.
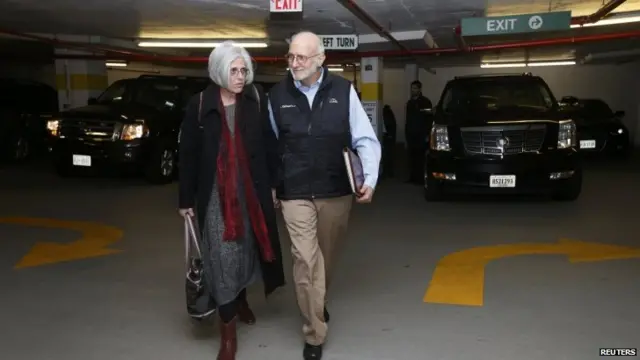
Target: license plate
{"x": 587, "y": 144}
{"x": 81, "y": 160}
{"x": 502, "y": 181}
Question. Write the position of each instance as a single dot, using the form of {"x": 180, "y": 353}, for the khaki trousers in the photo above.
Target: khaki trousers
{"x": 316, "y": 228}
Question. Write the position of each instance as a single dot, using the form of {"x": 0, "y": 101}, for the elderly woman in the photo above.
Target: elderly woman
{"x": 228, "y": 168}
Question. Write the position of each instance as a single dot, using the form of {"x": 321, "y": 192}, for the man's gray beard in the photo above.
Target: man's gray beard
{"x": 311, "y": 72}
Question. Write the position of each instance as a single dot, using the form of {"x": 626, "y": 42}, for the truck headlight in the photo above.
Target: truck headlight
{"x": 134, "y": 131}
{"x": 439, "y": 138}
{"x": 53, "y": 127}
{"x": 567, "y": 134}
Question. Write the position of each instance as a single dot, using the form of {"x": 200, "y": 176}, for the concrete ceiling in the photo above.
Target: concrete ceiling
{"x": 244, "y": 19}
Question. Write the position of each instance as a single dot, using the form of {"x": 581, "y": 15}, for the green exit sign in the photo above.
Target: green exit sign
{"x": 516, "y": 24}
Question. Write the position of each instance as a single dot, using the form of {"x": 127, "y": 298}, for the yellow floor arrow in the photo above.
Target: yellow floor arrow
{"x": 94, "y": 241}
{"x": 459, "y": 277}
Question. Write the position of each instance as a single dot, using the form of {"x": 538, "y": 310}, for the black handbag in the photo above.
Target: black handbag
{"x": 199, "y": 303}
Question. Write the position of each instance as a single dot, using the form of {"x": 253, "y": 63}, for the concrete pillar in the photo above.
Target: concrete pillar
{"x": 371, "y": 89}
{"x": 79, "y": 80}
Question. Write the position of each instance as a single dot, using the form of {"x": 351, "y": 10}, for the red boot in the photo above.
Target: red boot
{"x": 228, "y": 340}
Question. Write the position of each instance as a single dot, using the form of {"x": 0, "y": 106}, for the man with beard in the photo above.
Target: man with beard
{"x": 315, "y": 115}
{"x": 417, "y": 128}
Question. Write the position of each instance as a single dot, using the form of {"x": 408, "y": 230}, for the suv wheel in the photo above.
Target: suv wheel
{"x": 162, "y": 166}
{"x": 571, "y": 189}
{"x": 432, "y": 191}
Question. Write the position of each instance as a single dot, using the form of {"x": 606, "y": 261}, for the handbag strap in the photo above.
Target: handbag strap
{"x": 255, "y": 90}
{"x": 200, "y": 109}
{"x": 190, "y": 238}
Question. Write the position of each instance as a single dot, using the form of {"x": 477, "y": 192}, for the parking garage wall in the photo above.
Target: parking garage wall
{"x": 616, "y": 84}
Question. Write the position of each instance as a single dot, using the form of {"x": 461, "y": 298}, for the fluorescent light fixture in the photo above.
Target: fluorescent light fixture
{"x": 502, "y": 65}
{"x": 552, "y": 63}
{"x": 515, "y": 65}
{"x": 116, "y": 64}
{"x": 197, "y": 44}
{"x": 615, "y": 20}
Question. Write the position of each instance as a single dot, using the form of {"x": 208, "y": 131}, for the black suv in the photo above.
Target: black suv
{"x": 502, "y": 134}
{"x": 133, "y": 125}
{"x": 25, "y": 107}
{"x": 600, "y": 130}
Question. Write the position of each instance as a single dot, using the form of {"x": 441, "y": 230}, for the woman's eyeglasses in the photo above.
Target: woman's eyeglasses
{"x": 236, "y": 71}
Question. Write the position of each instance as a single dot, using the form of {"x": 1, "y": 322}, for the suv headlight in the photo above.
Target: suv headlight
{"x": 567, "y": 134}
{"x": 133, "y": 131}
{"x": 53, "y": 127}
{"x": 439, "y": 138}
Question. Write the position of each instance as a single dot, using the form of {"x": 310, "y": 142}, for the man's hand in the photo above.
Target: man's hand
{"x": 365, "y": 195}
{"x": 186, "y": 212}
{"x": 276, "y": 202}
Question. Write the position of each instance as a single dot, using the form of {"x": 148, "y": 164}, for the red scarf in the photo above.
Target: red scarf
{"x": 227, "y": 179}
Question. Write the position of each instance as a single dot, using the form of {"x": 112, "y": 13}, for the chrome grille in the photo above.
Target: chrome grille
{"x": 93, "y": 129}
{"x": 503, "y": 140}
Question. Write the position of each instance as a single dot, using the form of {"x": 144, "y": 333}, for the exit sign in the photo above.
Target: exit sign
{"x": 285, "y": 6}
{"x": 516, "y": 24}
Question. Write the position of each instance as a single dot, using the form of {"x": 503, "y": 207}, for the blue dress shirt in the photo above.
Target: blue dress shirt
{"x": 363, "y": 136}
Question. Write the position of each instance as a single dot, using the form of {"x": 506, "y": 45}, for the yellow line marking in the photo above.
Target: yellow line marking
{"x": 94, "y": 241}
{"x": 459, "y": 277}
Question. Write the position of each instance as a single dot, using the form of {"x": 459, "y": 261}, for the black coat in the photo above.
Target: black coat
{"x": 418, "y": 122}
{"x": 199, "y": 145}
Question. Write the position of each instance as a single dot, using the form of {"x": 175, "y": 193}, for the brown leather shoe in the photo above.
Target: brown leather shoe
{"x": 228, "y": 341}
{"x": 245, "y": 314}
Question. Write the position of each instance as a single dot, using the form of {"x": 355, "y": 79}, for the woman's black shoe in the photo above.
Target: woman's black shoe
{"x": 312, "y": 352}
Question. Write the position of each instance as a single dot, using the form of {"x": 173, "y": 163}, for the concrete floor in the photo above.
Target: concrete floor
{"x": 130, "y": 305}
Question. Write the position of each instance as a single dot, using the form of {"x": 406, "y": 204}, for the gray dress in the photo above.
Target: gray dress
{"x": 230, "y": 266}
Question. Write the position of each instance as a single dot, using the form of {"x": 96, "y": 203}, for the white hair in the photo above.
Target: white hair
{"x": 320, "y": 48}
{"x": 220, "y": 63}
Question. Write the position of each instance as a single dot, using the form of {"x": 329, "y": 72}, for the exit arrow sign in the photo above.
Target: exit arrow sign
{"x": 516, "y": 24}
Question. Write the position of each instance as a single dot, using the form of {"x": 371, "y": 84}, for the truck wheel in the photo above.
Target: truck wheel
{"x": 161, "y": 167}
{"x": 570, "y": 191}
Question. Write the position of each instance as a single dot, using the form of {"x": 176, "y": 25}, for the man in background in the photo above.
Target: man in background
{"x": 417, "y": 128}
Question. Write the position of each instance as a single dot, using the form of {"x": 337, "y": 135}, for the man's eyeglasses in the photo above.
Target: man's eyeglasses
{"x": 301, "y": 58}
{"x": 236, "y": 71}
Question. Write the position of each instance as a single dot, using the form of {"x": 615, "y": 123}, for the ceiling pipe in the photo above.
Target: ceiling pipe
{"x": 363, "y": 16}
{"x": 67, "y": 44}
{"x": 393, "y": 53}
{"x": 603, "y": 12}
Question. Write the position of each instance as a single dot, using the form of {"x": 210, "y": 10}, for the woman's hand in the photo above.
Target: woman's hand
{"x": 186, "y": 212}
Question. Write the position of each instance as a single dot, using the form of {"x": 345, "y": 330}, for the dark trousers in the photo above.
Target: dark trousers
{"x": 415, "y": 154}
{"x": 388, "y": 156}
{"x": 230, "y": 310}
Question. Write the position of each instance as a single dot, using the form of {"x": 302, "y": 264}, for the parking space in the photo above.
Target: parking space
{"x": 486, "y": 279}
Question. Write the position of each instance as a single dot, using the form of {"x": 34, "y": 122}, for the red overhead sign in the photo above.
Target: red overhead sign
{"x": 283, "y": 6}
